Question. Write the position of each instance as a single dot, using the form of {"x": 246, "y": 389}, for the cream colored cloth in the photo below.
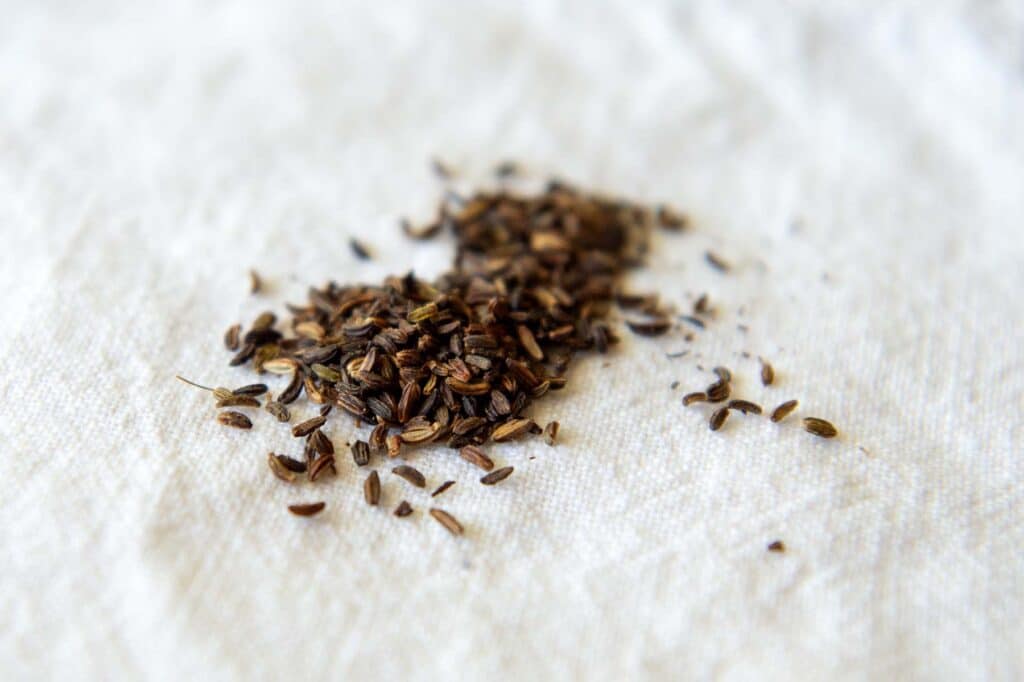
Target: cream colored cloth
{"x": 860, "y": 164}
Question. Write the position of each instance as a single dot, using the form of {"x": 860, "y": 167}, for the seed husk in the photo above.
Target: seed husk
{"x": 371, "y": 489}
{"x": 403, "y": 509}
{"x": 820, "y": 427}
{"x": 767, "y": 373}
{"x": 511, "y": 430}
{"x": 410, "y": 474}
{"x": 441, "y": 488}
{"x": 361, "y": 453}
{"x": 476, "y": 457}
{"x": 447, "y": 520}
{"x": 718, "y": 418}
{"x": 551, "y": 432}
{"x": 359, "y": 250}
{"x": 691, "y": 398}
{"x": 497, "y": 476}
{"x": 744, "y": 406}
{"x": 784, "y": 410}
{"x": 307, "y": 427}
{"x": 307, "y": 509}
{"x": 232, "y": 337}
{"x": 394, "y": 445}
{"x": 234, "y": 419}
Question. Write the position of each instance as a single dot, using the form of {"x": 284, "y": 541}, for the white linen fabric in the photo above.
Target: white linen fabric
{"x": 860, "y": 164}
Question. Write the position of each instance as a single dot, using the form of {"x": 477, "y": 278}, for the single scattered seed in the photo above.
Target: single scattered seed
{"x": 718, "y": 392}
{"x": 650, "y": 328}
{"x": 307, "y": 427}
{"x": 325, "y": 410}
{"x": 235, "y": 419}
{"x": 238, "y": 401}
{"x": 476, "y": 457}
{"x": 767, "y": 373}
{"x": 251, "y": 390}
{"x": 497, "y": 476}
{"x": 447, "y": 520}
{"x": 307, "y": 509}
{"x": 360, "y": 251}
{"x": 233, "y": 337}
{"x": 777, "y": 546}
{"x": 551, "y": 432}
{"x": 691, "y": 398}
{"x": 371, "y": 489}
{"x": 718, "y": 418}
{"x": 361, "y": 453}
{"x": 279, "y": 469}
{"x": 264, "y": 320}
{"x": 255, "y": 282}
{"x": 441, "y": 488}
{"x": 403, "y": 509}
{"x": 511, "y": 430}
{"x": 410, "y": 474}
{"x": 820, "y": 427}
{"x": 670, "y": 220}
{"x": 716, "y": 262}
{"x": 723, "y": 374}
{"x": 784, "y": 410}
{"x": 744, "y": 406}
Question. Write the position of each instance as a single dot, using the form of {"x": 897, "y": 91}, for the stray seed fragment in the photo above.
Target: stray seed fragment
{"x": 307, "y": 509}
{"x": 744, "y": 406}
{"x": 307, "y": 427}
{"x": 446, "y": 520}
{"x": 716, "y": 262}
{"x": 767, "y": 373}
{"x": 361, "y": 453}
{"x": 441, "y": 488}
{"x": 497, "y": 476}
{"x": 551, "y": 432}
{"x": 820, "y": 427}
{"x": 371, "y": 489}
{"x": 359, "y": 250}
{"x": 411, "y": 475}
{"x": 403, "y": 509}
{"x": 718, "y": 418}
{"x": 255, "y": 282}
{"x": 476, "y": 457}
{"x": 700, "y": 307}
{"x": 235, "y": 419}
{"x": 691, "y": 398}
{"x": 777, "y": 546}
{"x": 232, "y": 337}
{"x": 784, "y": 410}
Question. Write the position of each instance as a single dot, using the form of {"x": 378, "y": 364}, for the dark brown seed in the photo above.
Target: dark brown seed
{"x": 307, "y": 427}
{"x": 321, "y": 443}
{"x": 264, "y": 320}
{"x": 279, "y": 469}
{"x": 511, "y": 430}
{"x": 529, "y": 342}
{"x": 691, "y": 398}
{"x": 361, "y": 453}
{"x": 718, "y": 418}
{"x": 497, "y": 476}
{"x": 441, "y": 488}
{"x": 777, "y": 546}
{"x": 291, "y": 392}
{"x": 255, "y": 282}
{"x": 238, "y": 401}
{"x": 650, "y": 328}
{"x": 716, "y": 262}
{"x": 410, "y": 474}
{"x": 325, "y": 410}
{"x": 307, "y": 509}
{"x": 371, "y": 489}
{"x": 820, "y": 427}
{"x": 403, "y": 509}
{"x": 767, "y": 373}
{"x": 409, "y": 401}
{"x": 723, "y": 374}
{"x": 784, "y": 410}
{"x": 251, "y": 389}
{"x": 476, "y": 457}
{"x": 551, "y": 433}
{"x": 467, "y": 425}
{"x": 360, "y": 251}
{"x": 290, "y": 464}
{"x": 235, "y": 419}
{"x": 322, "y": 465}
{"x": 447, "y": 520}
{"x": 744, "y": 406}
{"x": 232, "y": 337}
{"x": 718, "y": 392}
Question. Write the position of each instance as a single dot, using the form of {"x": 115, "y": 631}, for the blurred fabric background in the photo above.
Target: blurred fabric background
{"x": 860, "y": 164}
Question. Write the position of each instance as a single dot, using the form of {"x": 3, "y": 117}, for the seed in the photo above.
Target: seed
{"x": 403, "y": 509}
{"x": 718, "y": 392}
{"x": 441, "y": 488}
{"x": 777, "y": 546}
{"x": 497, "y": 476}
{"x": 326, "y": 373}
{"x": 232, "y": 337}
{"x": 361, "y": 453}
{"x": 394, "y": 445}
{"x": 419, "y": 434}
{"x": 321, "y": 443}
{"x": 700, "y": 307}
{"x": 650, "y": 328}
{"x": 320, "y": 466}
{"x": 409, "y": 401}
{"x": 476, "y": 457}
{"x": 279, "y": 469}
{"x": 767, "y": 373}
{"x": 359, "y": 250}
{"x": 723, "y": 374}
{"x": 280, "y": 366}
{"x": 238, "y": 401}
{"x": 744, "y": 406}
{"x": 467, "y": 425}
{"x": 251, "y": 389}
{"x": 290, "y": 464}
{"x": 307, "y": 427}
{"x": 691, "y": 398}
{"x": 307, "y": 509}
{"x": 410, "y": 474}
{"x": 371, "y": 489}
{"x": 422, "y": 313}
{"x": 551, "y": 432}
{"x": 716, "y": 262}
{"x": 325, "y": 410}
{"x": 670, "y": 220}
{"x": 235, "y": 419}
{"x": 291, "y": 392}
{"x": 255, "y": 282}
{"x": 529, "y": 342}
{"x": 447, "y": 520}
{"x": 506, "y": 169}
{"x": 378, "y": 437}
{"x": 820, "y": 427}
{"x": 511, "y": 430}
{"x": 718, "y": 418}
{"x": 784, "y": 410}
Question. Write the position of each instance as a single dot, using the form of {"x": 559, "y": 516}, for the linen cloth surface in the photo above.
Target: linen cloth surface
{"x": 860, "y": 165}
